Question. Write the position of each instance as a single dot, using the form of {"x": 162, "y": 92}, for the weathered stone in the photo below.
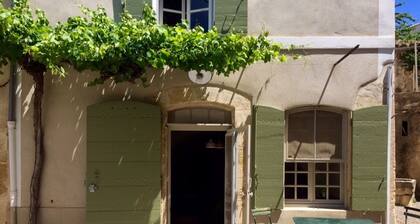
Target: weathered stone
{"x": 404, "y": 191}
{"x": 371, "y": 94}
{"x": 407, "y": 109}
{"x": 4, "y": 180}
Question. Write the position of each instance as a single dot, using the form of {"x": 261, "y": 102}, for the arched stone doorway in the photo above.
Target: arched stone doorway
{"x": 217, "y": 99}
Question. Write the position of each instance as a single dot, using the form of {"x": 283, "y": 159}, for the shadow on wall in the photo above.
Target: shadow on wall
{"x": 123, "y": 153}
{"x": 115, "y": 161}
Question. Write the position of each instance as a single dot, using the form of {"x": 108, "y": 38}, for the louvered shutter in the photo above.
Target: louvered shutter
{"x": 231, "y": 15}
{"x": 369, "y": 159}
{"x": 135, "y": 7}
{"x": 268, "y": 157}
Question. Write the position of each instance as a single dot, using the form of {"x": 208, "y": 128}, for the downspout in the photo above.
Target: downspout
{"x": 11, "y": 130}
{"x": 389, "y": 74}
{"x": 11, "y": 133}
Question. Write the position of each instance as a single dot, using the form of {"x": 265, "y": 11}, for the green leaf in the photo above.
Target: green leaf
{"x": 123, "y": 51}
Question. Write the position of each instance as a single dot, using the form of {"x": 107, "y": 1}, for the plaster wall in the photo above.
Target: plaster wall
{"x": 60, "y": 12}
{"x": 356, "y": 83}
{"x": 417, "y": 27}
{"x": 64, "y": 191}
{"x": 316, "y": 17}
{"x": 280, "y": 18}
{"x": 283, "y": 86}
{"x": 4, "y": 175}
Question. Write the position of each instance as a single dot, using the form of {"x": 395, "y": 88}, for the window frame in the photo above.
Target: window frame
{"x": 405, "y": 127}
{"x": 191, "y": 117}
{"x": 345, "y": 162}
{"x": 186, "y": 11}
{"x": 312, "y": 201}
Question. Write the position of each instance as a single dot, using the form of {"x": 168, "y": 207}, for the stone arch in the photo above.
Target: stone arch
{"x": 216, "y": 97}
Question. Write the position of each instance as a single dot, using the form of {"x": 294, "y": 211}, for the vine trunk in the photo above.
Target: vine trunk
{"x": 36, "y": 70}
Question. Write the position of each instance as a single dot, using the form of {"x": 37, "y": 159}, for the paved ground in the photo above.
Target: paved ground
{"x": 401, "y": 218}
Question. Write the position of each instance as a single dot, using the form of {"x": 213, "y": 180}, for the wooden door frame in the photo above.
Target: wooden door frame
{"x": 184, "y": 127}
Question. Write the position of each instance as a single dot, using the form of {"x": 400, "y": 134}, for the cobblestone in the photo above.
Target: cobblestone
{"x": 401, "y": 218}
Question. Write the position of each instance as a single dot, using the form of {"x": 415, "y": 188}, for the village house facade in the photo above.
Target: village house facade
{"x": 305, "y": 138}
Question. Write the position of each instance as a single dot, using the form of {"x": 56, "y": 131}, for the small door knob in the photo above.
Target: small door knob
{"x": 93, "y": 188}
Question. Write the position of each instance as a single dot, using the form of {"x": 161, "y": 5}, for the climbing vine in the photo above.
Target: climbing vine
{"x": 117, "y": 51}
{"x": 122, "y": 51}
{"x": 405, "y": 33}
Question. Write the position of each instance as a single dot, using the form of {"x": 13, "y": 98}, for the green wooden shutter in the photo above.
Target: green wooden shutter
{"x": 369, "y": 159}
{"x": 268, "y": 157}
{"x": 135, "y": 7}
{"x": 123, "y": 161}
{"x": 231, "y": 14}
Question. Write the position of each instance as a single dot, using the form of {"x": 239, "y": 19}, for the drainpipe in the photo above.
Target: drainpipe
{"x": 390, "y": 74}
{"x": 11, "y": 128}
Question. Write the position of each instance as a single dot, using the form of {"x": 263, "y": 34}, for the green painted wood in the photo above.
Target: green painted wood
{"x": 135, "y": 7}
{"x": 120, "y": 174}
{"x": 231, "y": 13}
{"x": 123, "y": 161}
{"x": 369, "y": 159}
{"x": 129, "y": 199}
{"x": 128, "y": 130}
{"x": 122, "y": 151}
{"x": 268, "y": 162}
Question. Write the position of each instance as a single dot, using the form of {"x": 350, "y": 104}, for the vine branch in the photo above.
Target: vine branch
{"x": 4, "y": 84}
{"x": 36, "y": 70}
{"x": 120, "y": 51}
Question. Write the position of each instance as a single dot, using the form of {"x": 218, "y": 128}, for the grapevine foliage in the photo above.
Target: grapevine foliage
{"x": 124, "y": 50}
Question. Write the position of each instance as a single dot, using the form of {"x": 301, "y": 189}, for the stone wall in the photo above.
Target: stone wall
{"x": 4, "y": 180}
{"x": 407, "y": 110}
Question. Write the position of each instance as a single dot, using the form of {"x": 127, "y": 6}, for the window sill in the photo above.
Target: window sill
{"x": 311, "y": 209}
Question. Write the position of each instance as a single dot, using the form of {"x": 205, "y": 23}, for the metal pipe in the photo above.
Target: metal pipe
{"x": 11, "y": 130}
{"x": 389, "y": 73}
{"x": 332, "y": 71}
{"x": 12, "y": 99}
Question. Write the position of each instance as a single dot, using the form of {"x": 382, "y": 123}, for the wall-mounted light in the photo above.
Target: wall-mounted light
{"x": 200, "y": 77}
{"x": 212, "y": 145}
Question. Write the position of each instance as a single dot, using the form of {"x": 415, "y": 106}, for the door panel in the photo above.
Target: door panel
{"x": 123, "y": 163}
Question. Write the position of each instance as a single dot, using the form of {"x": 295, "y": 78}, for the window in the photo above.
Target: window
{"x": 404, "y": 128}
{"x": 196, "y": 12}
{"x": 314, "y": 167}
{"x": 313, "y": 182}
{"x": 200, "y": 115}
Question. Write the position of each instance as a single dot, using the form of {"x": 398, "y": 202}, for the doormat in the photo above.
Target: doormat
{"x": 302, "y": 220}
